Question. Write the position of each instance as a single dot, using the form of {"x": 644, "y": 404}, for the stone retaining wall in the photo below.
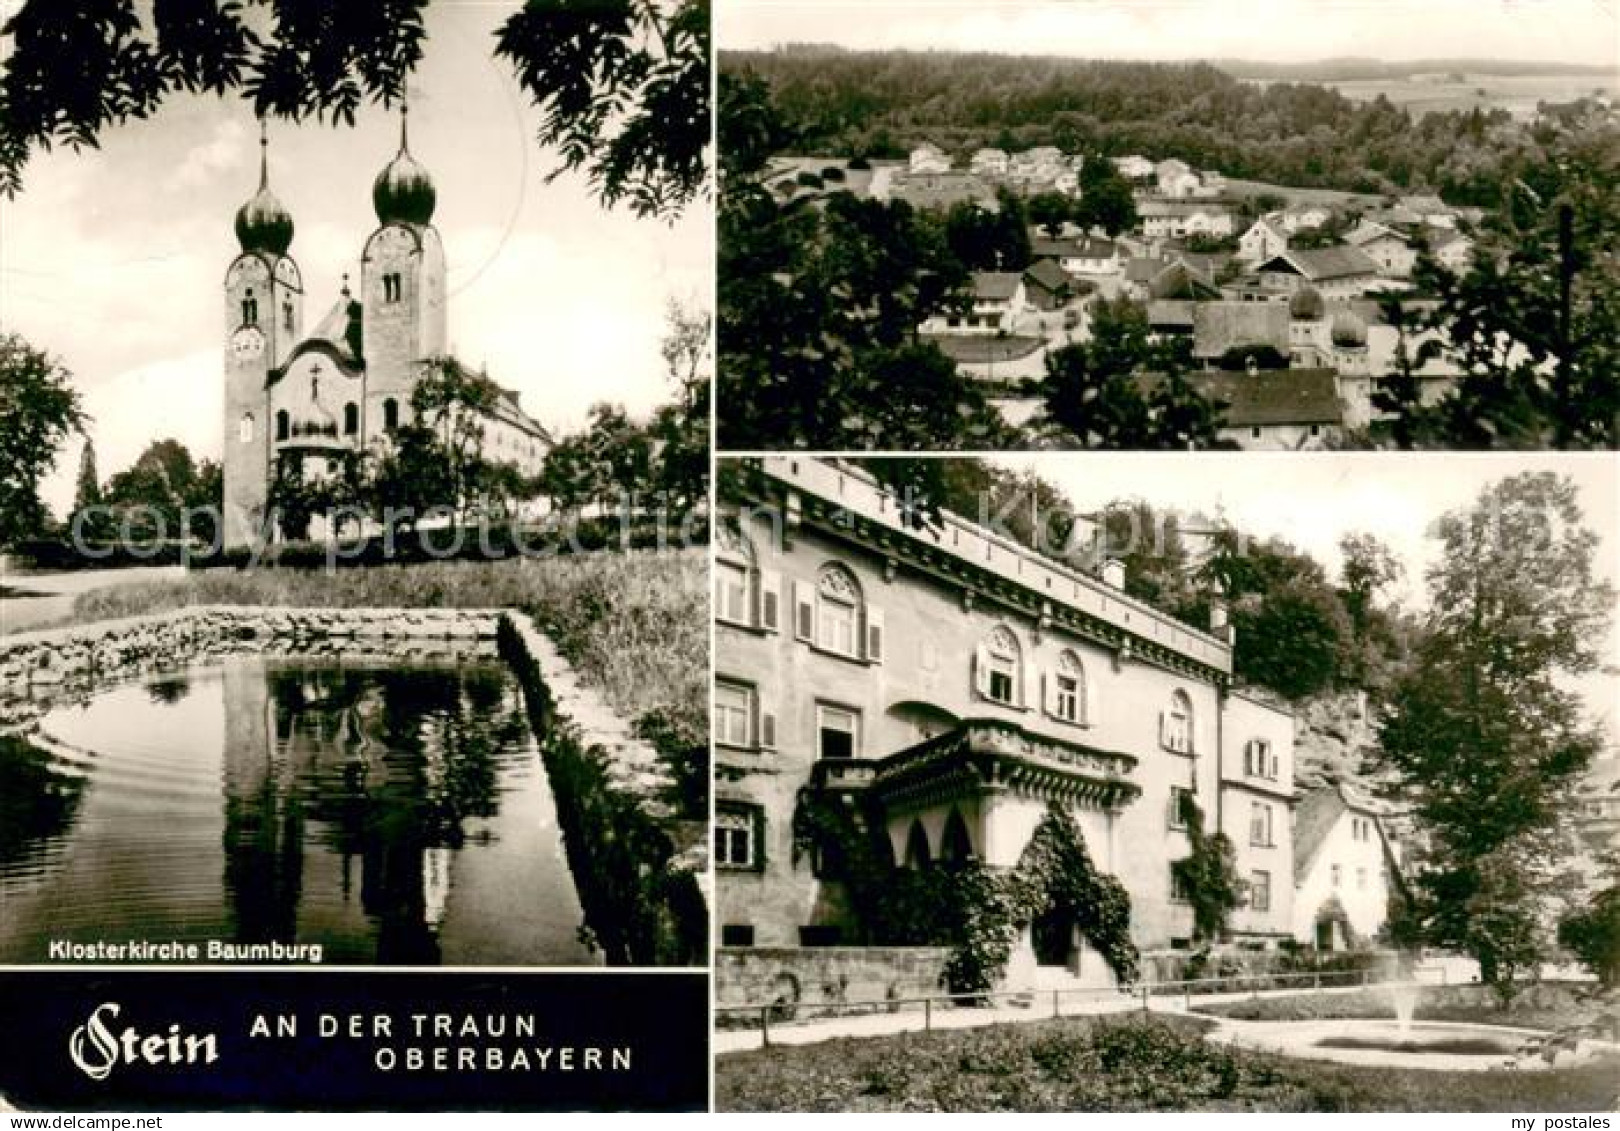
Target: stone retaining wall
{"x": 819, "y": 979}
{"x": 39, "y": 667}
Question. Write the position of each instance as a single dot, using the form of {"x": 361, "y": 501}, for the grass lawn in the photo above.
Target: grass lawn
{"x": 1118, "y": 1064}
{"x": 635, "y": 625}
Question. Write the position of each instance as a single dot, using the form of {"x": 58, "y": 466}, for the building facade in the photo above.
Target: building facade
{"x": 964, "y": 684}
{"x": 303, "y": 399}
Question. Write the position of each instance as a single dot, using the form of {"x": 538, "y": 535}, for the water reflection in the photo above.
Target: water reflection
{"x": 394, "y": 814}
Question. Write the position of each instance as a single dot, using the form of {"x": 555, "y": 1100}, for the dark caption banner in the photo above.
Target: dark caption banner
{"x": 177, "y": 1040}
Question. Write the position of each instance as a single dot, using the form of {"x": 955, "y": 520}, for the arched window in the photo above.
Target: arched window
{"x": 734, "y": 575}
{"x": 351, "y": 419}
{"x": 998, "y": 671}
{"x": 1068, "y": 690}
{"x": 391, "y": 288}
{"x": 250, "y": 309}
{"x": 390, "y": 414}
{"x": 287, "y": 317}
{"x": 838, "y": 611}
{"x": 283, "y": 425}
{"x": 244, "y": 429}
{"x": 956, "y": 847}
{"x": 1176, "y": 724}
{"x": 917, "y": 854}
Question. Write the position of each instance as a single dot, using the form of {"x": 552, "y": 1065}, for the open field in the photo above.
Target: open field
{"x": 1517, "y": 94}
{"x": 635, "y": 625}
{"x": 1111, "y": 1064}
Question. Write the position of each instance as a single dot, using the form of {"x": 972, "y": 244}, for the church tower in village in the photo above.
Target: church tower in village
{"x": 402, "y": 287}
{"x": 264, "y": 313}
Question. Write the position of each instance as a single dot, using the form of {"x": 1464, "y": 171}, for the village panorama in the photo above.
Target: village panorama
{"x": 1066, "y": 252}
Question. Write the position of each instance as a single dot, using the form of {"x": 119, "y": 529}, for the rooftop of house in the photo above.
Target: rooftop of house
{"x": 1046, "y": 273}
{"x": 1319, "y": 811}
{"x": 1218, "y": 326}
{"x": 1273, "y": 397}
{"x": 996, "y": 286}
{"x": 1319, "y": 264}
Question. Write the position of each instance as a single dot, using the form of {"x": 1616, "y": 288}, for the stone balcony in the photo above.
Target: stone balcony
{"x": 980, "y": 756}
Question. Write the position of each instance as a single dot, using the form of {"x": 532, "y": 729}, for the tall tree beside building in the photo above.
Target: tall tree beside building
{"x": 1482, "y": 729}
{"x": 39, "y": 408}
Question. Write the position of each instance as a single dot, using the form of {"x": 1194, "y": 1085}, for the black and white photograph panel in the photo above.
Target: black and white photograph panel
{"x": 1370, "y": 224}
{"x": 353, "y": 484}
{"x": 1190, "y": 782}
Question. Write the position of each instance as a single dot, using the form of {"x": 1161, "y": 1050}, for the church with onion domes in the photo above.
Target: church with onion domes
{"x": 300, "y": 398}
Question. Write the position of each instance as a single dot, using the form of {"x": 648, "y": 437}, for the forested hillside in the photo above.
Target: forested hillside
{"x": 880, "y": 104}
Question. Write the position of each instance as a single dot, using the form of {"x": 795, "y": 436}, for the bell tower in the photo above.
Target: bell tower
{"x": 264, "y": 313}
{"x": 402, "y": 288}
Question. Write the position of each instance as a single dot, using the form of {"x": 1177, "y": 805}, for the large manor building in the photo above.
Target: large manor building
{"x": 306, "y": 396}
{"x": 965, "y": 683}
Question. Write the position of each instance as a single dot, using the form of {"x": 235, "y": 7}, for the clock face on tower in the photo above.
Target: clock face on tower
{"x": 247, "y": 343}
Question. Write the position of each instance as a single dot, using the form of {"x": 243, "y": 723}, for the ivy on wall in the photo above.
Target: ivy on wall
{"x": 1208, "y": 876}
{"x": 977, "y": 911}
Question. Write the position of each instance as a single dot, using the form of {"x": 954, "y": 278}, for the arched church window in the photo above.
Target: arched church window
{"x": 250, "y": 309}
{"x": 390, "y": 414}
{"x": 838, "y": 610}
{"x": 244, "y": 429}
{"x": 287, "y": 317}
{"x": 351, "y": 419}
{"x": 1176, "y": 724}
{"x": 391, "y": 287}
{"x": 283, "y": 425}
{"x": 998, "y": 669}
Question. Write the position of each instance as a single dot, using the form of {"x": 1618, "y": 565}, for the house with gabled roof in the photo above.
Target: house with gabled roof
{"x": 1336, "y": 272}
{"x": 1393, "y": 250}
{"x": 1346, "y": 866}
{"x": 1265, "y": 239}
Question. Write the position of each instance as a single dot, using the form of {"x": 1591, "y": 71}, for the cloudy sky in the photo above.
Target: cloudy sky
{"x": 1310, "y": 501}
{"x": 1577, "y": 31}
{"x": 113, "y": 259}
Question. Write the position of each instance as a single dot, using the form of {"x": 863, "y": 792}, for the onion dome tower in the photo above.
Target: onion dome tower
{"x": 402, "y": 286}
{"x": 1349, "y": 331}
{"x": 262, "y": 224}
{"x": 1307, "y": 305}
{"x": 403, "y": 192}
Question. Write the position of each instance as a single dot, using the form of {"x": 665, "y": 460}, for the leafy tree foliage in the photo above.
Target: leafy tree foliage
{"x": 39, "y": 408}
{"x": 820, "y": 305}
{"x": 624, "y": 90}
{"x": 1122, "y": 389}
{"x": 680, "y": 430}
{"x": 150, "y": 495}
{"x": 1593, "y": 934}
{"x": 983, "y": 240}
{"x": 1482, "y": 730}
{"x": 622, "y": 84}
{"x": 1534, "y": 322}
{"x": 603, "y": 465}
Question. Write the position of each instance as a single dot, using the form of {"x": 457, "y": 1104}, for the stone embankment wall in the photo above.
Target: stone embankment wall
{"x": 40, "y": 667}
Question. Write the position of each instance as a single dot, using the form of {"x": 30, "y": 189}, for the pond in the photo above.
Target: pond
{"x": 394, "y": 813}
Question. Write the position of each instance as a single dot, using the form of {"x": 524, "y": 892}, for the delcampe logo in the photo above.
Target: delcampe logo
{"x": 97, "y": 1050}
